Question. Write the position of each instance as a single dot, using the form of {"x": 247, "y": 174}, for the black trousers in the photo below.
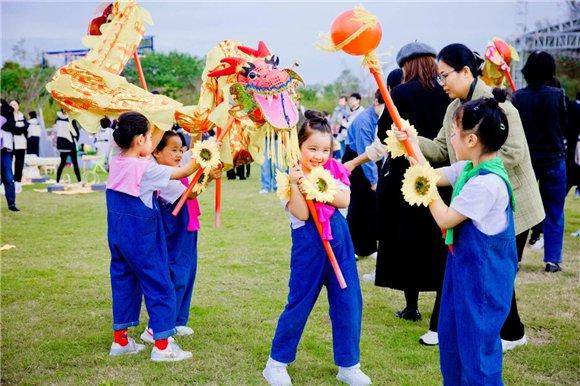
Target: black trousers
{"x": 33, "y": 146}
{"x": 75, "y": 162}
{"x": 362, "y": 210}
{"x": 18, "y": 164}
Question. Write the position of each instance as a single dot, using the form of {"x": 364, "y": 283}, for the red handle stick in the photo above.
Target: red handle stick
{"x": 508, "y": 75}
{"x": 218, "y": 196}
{"x": 199, "y": 171}
{"x": 327, "y": 246}
{"x": 393, "y": 112}
{"x": 139, "y": 70}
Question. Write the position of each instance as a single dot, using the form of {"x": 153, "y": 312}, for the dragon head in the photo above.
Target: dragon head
{"x": 261, "y": 88}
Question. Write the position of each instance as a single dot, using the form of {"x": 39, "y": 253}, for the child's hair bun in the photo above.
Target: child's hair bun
{"x": 499, "y": 95}
{"x": 314, "y": 116}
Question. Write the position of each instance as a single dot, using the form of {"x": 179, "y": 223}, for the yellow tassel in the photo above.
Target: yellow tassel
{"x": 371, "y": 61}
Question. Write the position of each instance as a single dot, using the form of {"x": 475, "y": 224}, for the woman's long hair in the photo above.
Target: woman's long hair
{"x": 423, "y": 68}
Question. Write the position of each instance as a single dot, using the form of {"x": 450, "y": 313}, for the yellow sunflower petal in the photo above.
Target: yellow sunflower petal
{"x": 420, "y": 185}
{"x": 394, "y": 146}
{"x": 206, "y": 154}
{"x": 320, "y": 185}
{"x": 283, "y": 186}
{"x": 201, "y": 184}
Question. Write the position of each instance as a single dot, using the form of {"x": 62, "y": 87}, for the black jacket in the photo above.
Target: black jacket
{"x": 543, "y": 114}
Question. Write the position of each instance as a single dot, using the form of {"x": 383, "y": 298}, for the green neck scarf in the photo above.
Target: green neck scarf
{"x": 494, "y": 166}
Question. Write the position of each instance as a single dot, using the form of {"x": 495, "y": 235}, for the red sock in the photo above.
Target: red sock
{"x": 120, "y": 337}
{"x": 161, "y": 344}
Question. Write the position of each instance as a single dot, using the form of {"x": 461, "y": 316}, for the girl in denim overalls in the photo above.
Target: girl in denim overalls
{"x": 310, "y": 269}
{"x": 482, "y": 262}
{"x": 139, "y": 260}
{"x": 180, "y": 231}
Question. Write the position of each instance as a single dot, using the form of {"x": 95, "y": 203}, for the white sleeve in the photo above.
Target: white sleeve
{"x": 478, "y": 197}
{"x": 156, "y": 177}
{"x": 376, "y": 150}
{"x": 173, "y": 191}
{"x": 452, "y": 172}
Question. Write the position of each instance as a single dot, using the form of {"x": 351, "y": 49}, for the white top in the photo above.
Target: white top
{"x": 173, "y": 191}
{"x": 483, "y": 199}
{"x": 376, "y": 150}
{"x": 34, "y": 128}
{"x": 295, "y": 222}
{"x": 20, "y": 139}
{"x": 156, "y": 177}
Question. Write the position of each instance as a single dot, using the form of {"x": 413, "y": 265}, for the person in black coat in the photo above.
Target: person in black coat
{"x": 411, "y": 255}
{"x": 542, "y": 109}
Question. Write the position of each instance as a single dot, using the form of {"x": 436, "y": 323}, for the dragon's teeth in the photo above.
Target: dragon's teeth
{"x": 270, "y": 99}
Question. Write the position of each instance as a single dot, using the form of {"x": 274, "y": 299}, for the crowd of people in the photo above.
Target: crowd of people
{"x": 505, "y": 164}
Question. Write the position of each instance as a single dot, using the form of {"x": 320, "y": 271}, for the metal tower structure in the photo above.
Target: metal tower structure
{"x": 66, "y": 56}
{"x": 560, "y": 40}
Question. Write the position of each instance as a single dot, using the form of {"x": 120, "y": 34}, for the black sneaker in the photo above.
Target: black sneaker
{"x": 534, "y": 238}
{"x": 553, "y": 267}
{"x": 13, "y": 208}
{"x": 413, "y": 315}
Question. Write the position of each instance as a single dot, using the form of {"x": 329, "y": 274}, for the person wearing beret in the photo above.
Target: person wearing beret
{"x": 411, "y": 255}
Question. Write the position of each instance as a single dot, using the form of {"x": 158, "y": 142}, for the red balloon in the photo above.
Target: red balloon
{"x": 345, "y": 25}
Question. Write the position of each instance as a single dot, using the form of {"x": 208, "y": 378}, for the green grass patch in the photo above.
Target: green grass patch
{"x": 56, "y": 307}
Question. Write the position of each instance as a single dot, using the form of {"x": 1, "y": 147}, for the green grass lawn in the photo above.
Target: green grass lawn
{"x": 56, "y": 306}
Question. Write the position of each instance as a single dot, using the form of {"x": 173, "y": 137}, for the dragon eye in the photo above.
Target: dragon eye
{"x": 252, "y": 75}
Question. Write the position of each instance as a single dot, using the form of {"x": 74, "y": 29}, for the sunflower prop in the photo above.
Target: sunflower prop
{"x": 201, "y": 183}
{"x": 420, "y": 185}
{"x": 283, "y": 184}
{"x": 206, "y": 154}
{"x": 319, "y": 185}
{"x": 394, "y": 146}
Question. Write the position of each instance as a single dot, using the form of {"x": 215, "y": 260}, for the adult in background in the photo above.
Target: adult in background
{"x": 34, "y": 131}
{"x": 20, "y": 134}
{"x": 339, "y": 114}
{"x": 411, "y": 254}
{"x": 458, "y": 68}
{"x": 354, "y": 109}
{"x": 7, "y": 146}
{"x": 543, "y": 112}
{"x": 67, "y": 136}
{"x": 362, "y": 213}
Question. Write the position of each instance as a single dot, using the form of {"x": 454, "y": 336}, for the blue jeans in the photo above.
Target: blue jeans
{"x": 268, "y": 172}
{"x": 8, "y": 177}
{"x": 551, "y": 175}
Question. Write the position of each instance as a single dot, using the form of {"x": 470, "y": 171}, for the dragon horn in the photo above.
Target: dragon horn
{"x": 261, "y": 52}
{"x": 232, "y": 67}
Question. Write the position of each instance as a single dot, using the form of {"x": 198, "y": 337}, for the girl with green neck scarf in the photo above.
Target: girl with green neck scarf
{"x": 482, "y": 262}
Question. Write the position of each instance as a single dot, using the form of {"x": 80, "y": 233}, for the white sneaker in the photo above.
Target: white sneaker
{"x": 172, "y": 353}
{"x": 538, "y": 245}
{"x": 183, "y": 331}
{"x": 431, "y": 338}
{"x": 370, "y": 277}
{"x": 276, "y": 374}
{"x": 147, "y": 336}
{"x": 507, "y": 345}
{"x": 264, "y": 191}
{"x": 353, "y": 376}
{"x": 130, "y": 348}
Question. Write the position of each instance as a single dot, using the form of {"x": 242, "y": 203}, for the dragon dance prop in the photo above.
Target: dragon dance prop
{"x": 498, "y": 59}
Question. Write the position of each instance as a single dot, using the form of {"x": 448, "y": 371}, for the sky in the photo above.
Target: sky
{"x": 290, "y": 28}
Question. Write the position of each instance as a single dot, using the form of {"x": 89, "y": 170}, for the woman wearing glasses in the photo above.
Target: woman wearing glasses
{"x": 458, "y": 69}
